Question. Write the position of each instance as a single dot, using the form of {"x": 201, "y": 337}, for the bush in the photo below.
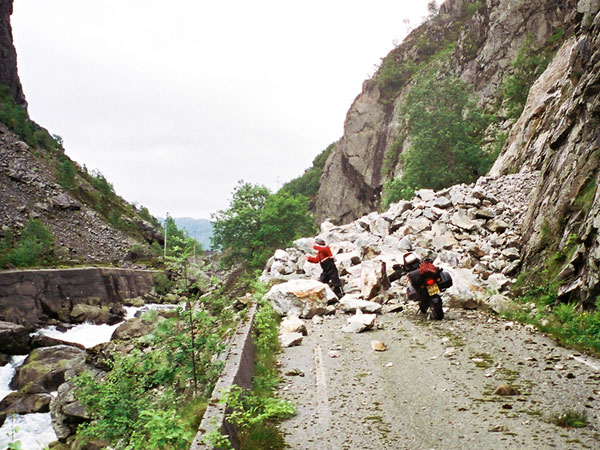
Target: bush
{"x": 15, "y": 117}
{"x": 445, "y": 129}
{"x": 162, "y": 284}
{"x": 528, "y": 65}
{"x": 34, "y": 247}
{"x": 65, "y": 172}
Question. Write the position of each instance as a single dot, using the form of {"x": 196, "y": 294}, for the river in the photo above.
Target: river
{"x": 34, "y": 431}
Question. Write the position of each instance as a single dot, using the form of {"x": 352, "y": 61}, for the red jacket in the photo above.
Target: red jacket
{"x": 323, "y": 254}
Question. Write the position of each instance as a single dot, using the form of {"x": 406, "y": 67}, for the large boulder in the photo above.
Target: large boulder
{"x": 45, "y": 368}
{"x": 350, "y": 303}
{"x": 373, "y": 278}
{"x": 132, "y": 329}
{"x": 95, "y": 314}
{"x": 304, "y": 298}
{"x": 14, "y": 339}
{"x": 66, "y": 410}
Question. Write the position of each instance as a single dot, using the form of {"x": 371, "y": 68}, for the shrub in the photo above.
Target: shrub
{"x": 65, "y": 172}
{"x": 527, "y": 66}
{"x": 162, "y": 284}
{"x": 15, "y": 117}
{"x": 34, "y": 247}
{"x": 570, "y": 419}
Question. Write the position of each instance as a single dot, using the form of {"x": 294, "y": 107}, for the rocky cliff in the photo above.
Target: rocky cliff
{"x": 88, "y": 221}
{"x": 8, "y": 55}
{"x": 559, "y": 135}
{"x": 556, "y": 134}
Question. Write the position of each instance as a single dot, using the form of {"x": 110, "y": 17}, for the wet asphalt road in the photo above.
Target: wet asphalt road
{"x": 433, "y": 388}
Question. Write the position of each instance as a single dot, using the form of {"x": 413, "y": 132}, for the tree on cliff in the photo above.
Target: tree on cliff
{"x": 258, "y": 222}
{"x": 445, "y": 130}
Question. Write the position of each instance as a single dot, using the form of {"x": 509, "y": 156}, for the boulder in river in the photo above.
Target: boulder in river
{"x": 14, "y": 339}
{"x": 45, "y": 367}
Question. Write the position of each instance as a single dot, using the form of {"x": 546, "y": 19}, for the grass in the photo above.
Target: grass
{"x": 570, "y": 418}
{"x": 257, "y": 411}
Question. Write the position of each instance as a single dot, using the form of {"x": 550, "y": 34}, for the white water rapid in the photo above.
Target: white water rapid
{"x": 35, "y": 431}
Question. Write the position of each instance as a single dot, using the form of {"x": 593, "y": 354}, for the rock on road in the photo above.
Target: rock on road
{"x": 433, "y": 388}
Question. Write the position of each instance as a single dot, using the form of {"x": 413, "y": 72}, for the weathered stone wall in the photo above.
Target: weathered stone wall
{"x": 238, "y": 370}
{"x": 32, "y": 297}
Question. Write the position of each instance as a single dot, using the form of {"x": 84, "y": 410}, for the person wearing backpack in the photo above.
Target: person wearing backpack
{"x": 330, "y": 273}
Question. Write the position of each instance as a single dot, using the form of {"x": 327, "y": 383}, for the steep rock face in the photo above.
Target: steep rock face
{"x": 558, "y": 134}
{"x": 486, "y": 43}
{"x": 8, "y": 55}
{"x": 32, "y": 297}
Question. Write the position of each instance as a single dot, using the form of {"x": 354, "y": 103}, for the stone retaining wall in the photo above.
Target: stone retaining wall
{"x": 239, "y": 368}
{"x": 29, "y": 297}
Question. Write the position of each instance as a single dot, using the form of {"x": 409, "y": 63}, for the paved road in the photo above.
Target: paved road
{"x": 434, "y": 386}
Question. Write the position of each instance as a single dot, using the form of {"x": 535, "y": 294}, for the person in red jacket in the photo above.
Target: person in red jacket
{"x": 330, "y": 272}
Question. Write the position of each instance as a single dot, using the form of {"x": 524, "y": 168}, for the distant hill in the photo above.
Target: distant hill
{"x": 199, "y": 229}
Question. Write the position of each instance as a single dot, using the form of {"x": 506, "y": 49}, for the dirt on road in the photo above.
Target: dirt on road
{"x": 434, "y": 387}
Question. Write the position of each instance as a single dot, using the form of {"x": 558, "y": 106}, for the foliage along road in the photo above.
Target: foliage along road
{"x": 433, "y": 388}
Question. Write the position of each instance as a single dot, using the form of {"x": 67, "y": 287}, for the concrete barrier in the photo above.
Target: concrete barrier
{"x": 238, "y": 369}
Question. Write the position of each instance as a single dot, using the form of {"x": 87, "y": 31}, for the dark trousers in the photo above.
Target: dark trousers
{"x": 330, "y": 273}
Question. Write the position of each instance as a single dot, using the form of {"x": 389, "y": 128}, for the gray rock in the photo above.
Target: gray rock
{"x": 461, "y": 220}
{"x": 501, "y": 304}
{"x": 306, "y": 298}
{"x": 497, "y": 226}
{"x": 350, "y": 303}
{"x": 290, "y": 339}
{"x": 14, "y": 339}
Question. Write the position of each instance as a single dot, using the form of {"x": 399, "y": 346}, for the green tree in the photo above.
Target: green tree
{"x": 445, "y": 129}
{"x": 283, "y": 219}
{"x": 258, "y": 222}
{"x": 236, "y": 228}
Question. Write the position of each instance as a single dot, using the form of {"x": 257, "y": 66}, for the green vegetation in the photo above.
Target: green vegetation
{"x": 527, "y": 66}
{"x": 308, "y": 183}
{"x": 256, "y": 411}
{"x": 65, "y": 172}
{"x": 445, "y": 129}
{"x": 35, "y": 246}
{"x": 257, "y": 223}
{"x": 570, "y": 419}
{"x": 15, "y": 117}
{"x": 155, "y": 399}
{"x": 471, "y": 8}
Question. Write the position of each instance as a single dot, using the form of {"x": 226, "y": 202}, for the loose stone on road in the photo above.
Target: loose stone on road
{"x": 434, "y": 387}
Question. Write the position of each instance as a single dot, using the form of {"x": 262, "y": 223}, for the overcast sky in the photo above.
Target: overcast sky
{"x": 174, "y": 102}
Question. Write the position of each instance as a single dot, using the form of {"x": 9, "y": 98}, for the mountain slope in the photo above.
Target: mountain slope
{"x": 476, "y": 42}
{"x": 88, "y": 220}
{"x": 551, "y": 126}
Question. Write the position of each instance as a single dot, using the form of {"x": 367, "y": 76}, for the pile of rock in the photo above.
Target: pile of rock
{"x": 472, "y": 231}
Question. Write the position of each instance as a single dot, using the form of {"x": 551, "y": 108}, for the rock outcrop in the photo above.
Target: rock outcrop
{"x": 8, "y": 67}
{"x": 487, "y": 40}
{"x": 36, "y": 296}
{"x": 558, "y": 135}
